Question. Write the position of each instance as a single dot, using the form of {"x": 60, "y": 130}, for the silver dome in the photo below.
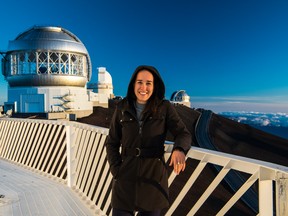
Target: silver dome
{"x": 47, "y": 38}
{"x": 47, "y": 56}
{"x": 179, "y": 96}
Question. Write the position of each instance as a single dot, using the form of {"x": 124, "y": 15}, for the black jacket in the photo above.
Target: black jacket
{"x": 141, "y": 183}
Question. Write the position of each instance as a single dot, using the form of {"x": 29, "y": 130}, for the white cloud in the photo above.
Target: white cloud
{"x": 256, "y": 104}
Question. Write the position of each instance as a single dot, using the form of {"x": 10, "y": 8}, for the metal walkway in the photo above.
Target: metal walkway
{"x": 25, "y": 193}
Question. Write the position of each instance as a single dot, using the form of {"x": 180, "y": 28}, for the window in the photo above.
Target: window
{"x": 47, "y": 63}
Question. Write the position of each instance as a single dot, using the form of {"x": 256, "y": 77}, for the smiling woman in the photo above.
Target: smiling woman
{"x": 139, "y": 126}
{"x": 143, "y": 87}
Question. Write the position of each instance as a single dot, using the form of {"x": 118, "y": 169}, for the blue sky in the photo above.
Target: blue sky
{"x": 229, "y": 55}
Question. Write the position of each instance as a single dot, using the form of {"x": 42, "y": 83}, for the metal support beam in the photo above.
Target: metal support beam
{"x": 70, "y": 139}
{"x": 265, "y": 198}
{"x": 3, "y": 55}
{"x": 265, "y": 193}
{"x": 281, "y": 194}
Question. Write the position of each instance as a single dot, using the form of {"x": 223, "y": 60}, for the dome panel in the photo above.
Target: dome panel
{"x": 48, "y": 32}
{"x": 47, "y": 38}
{"x": 46, "y": 80}
{"x": 40, "y": 33}
{"x": 53, "y": 44}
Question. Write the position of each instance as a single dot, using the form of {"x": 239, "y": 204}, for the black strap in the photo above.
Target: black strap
{"x": 144, "y": 152}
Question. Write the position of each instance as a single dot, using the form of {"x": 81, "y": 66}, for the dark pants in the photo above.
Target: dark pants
{"x": 118, "y": 212}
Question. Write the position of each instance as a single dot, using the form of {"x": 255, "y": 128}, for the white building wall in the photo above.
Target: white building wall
{"x": 105, "y": 86}
{"x": 49, "y": 99}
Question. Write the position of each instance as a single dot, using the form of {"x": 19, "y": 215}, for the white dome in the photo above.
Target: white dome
{"x": 180, "y": 96}
{"x": 104, "y": 76}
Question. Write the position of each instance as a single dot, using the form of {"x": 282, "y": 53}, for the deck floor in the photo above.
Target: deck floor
{"x": 26, "y": 193}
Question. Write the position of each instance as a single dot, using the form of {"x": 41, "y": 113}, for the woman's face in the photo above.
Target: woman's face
{"x": 144, "y": 86}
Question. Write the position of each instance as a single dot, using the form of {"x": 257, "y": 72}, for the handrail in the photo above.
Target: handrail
{"x": 74, "y": 153}
{"x": 233, "y": 179}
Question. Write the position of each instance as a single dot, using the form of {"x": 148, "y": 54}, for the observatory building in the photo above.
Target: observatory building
{"x": 99, "y": 92}
{"x": 47, "y": 70}
{"x": 180, "y": 97}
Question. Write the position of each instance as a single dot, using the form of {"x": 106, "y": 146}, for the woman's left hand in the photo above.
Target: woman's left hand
{"x": 178, "y": 161}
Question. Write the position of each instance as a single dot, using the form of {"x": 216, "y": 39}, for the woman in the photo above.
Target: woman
{"x": 139, "y": 126}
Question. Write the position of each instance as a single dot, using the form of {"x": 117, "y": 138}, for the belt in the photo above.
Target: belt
{"x": 144, "y": 152}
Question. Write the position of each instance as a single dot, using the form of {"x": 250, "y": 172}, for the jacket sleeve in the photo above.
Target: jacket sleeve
{"x": 113, "y": 143}
{"x": 182, "y": 137}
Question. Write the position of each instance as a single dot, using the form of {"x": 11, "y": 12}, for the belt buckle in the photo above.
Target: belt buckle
{"x": 138, "y": 152}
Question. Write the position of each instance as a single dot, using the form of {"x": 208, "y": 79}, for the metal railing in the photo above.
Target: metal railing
{"x": 74, "y": 154}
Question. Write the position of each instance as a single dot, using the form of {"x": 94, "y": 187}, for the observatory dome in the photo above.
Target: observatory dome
{"x": 104, "y": 76}
{"x": 46, "y": 56}
{"x": 180, "y": 96}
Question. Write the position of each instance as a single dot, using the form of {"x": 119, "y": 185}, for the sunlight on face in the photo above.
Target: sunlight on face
{"x": 144, "y": 86}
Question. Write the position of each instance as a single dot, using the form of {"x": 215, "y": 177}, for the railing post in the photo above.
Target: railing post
{"x": 1, "y": 136}
{"x": 281, "y": 194}
{"x": 70, "y": 159}
{"x": 265, "y": 193}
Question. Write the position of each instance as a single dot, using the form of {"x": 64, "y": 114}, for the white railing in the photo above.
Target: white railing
{"x": 74, "y": 154}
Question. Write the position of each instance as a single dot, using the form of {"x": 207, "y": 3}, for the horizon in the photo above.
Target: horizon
{"x": 226, "y": 55}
